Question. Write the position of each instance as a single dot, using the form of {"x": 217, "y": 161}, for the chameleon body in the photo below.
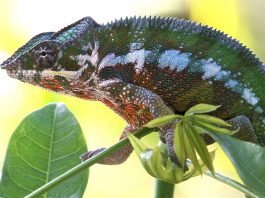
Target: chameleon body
{"x": 164, "y": 65}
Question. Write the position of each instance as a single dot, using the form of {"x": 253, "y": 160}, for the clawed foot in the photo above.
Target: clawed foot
{"x": 116, "y": 158}
{"x": 90, "y": 154}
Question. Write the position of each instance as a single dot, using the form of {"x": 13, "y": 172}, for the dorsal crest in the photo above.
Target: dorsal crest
{"x": 69, "y": 34}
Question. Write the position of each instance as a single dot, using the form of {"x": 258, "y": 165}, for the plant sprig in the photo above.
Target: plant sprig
{"x": 188, "y": 143}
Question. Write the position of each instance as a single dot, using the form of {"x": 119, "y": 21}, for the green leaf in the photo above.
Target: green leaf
{"x": 201, "y": 108}
{"x": 179, "y": 143}
{"x": 203, "y": 166}
{"x": 211, "y": 128}
{"x": 249, "y": 160}
{"x": 157, "y": 163}
{"x": 162, "y": 120}
{"x": 137, "y": 144}
{"x": 162, "y": 168}
{"x": 190, "y": 151}
{"x": 47, "y": 143}
{"x": 201, "y": 147}
{"x": 212, "y": 120}
{"x": 152, "y": 160}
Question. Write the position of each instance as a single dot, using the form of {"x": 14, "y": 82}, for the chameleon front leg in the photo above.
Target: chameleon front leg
{"x": 129, "y": 93}
{"x": 116, "y": 158}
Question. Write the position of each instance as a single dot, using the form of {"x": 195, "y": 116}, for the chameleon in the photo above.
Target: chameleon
{"x": 147, "y": 67}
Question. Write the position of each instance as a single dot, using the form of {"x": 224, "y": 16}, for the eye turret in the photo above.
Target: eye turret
{"x": 45, "y": 56}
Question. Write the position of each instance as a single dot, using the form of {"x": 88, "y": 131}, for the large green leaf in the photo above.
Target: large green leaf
{"x": 249, "y": 160}
{"x": 47, "y": 143}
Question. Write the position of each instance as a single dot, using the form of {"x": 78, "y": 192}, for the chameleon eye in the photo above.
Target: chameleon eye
{"x": 45, "y": 57}
{"x": 43, "y": 53}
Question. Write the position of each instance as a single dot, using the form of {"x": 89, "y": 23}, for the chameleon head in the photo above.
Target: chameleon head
{"x": 37, "y": 63}
{"x": 53, "y": 60}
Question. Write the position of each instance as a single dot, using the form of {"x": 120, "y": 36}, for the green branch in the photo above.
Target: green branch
{"x": 163, "y": 189}
{"x": 232, "y": 183}
{"x": 79, "y": 168}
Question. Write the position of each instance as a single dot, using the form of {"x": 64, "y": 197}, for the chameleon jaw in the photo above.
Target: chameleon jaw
{"x": 21, "y": 74}
{"x": 7, "y": 66}
{"x": 16, "y": 73}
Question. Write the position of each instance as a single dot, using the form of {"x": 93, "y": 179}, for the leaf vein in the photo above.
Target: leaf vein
{"x": 37, "y": 129}
{"x": 33, "y": 141}
{"x": 65, "y": 156}
{"x": 30, "y": 165}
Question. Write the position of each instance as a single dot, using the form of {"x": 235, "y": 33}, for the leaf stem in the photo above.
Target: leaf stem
{"x": 232, "y": 183}
{"x": 163, "y": 189}
{"x": 86, "y": 164}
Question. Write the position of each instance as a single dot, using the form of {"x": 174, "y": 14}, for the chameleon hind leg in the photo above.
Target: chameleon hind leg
{"x": 129, "y": 93}
{"x": 116, "y": 158}
{"x": 246, "y": 130}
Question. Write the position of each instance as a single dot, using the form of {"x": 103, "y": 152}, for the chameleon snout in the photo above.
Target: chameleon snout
{"x": 7, "y": 67}
{"x": 3, "y": 66}
{"x": 6, "y": 64}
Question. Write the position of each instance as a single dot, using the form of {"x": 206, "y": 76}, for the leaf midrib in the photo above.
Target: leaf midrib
{"x": 51, "y": 147}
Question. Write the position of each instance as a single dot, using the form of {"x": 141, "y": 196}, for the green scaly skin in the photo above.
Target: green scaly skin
{"x": 165, "y": 65}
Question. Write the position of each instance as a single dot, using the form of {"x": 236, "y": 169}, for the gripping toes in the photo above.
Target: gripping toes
{"x": 90, "y": 154}
{"x": 115, "y": 158}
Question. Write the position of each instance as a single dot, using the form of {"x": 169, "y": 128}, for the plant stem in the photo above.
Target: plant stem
{"x": 231, "y": 183}
{"x": 163, "y": 189}
{"x": 86, "y": 164}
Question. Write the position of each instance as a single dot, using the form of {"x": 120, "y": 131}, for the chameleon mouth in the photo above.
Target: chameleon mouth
{"x": 72, "y": 75}
{"x": 3, "y": 66}
{"x": 7, "y": 66}
{"x": 22, "y": 75}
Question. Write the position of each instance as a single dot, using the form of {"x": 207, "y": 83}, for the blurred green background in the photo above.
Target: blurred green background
{"x": 22, "y": 19}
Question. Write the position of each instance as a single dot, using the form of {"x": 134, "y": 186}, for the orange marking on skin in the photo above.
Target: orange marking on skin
{"x": 51, "y": 83}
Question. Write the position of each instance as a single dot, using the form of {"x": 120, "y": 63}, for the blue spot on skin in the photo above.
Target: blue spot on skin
{"x": 174, "y": 59}
{"x": 222, "y": 75}
{"x": 182, "y": 61}
{"x": 231, "y": 83}
{"x": 211, "y": 69}
{"x": 250, "y": 97}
